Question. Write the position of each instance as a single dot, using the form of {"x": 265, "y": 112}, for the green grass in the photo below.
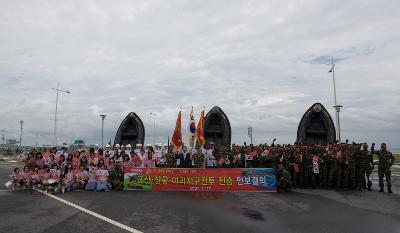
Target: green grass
{"x": 396, "y": 157}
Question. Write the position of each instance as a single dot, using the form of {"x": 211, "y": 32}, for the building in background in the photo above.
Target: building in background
{"x": 217, "y": 128}
{"x": 316, "y": 127}
{"x": 131, "y": 131}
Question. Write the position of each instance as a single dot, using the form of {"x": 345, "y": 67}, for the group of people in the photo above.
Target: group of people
{"x": 58, "y": 171}
{"x": 347, "y": 166}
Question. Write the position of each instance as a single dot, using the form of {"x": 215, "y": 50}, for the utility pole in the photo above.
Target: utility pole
{"x": 103, "y": 116}
{"x": 250, "y": 133}
{"x": 20, "y": 135}
{"x": 3, "y": 131}
{"x": 337, "y": 107}
{"x": 55, "y": 115}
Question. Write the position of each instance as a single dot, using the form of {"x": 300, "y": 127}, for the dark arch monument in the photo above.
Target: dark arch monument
{"x": 131, "y": 131}
{"x": 217, "y": 128}
{"x": 316, "y": 126}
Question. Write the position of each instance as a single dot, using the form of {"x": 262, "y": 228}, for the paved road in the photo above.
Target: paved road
{"x": 299, "y": 211}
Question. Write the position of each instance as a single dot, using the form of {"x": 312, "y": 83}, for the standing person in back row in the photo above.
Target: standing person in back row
{"x": 386, "y": 160}
{"x": 367, "y": 165}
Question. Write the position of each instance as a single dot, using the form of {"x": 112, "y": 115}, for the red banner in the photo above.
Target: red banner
{"x": 200, "y": 179}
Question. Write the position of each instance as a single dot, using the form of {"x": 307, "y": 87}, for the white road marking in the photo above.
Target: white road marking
{"x": 115, "y": 223}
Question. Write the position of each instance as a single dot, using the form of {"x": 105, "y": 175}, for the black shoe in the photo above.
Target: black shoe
{"x": 389, "y": 190}
{"x": 369, "y": 189}
{"x": 381, "y": 190}
{"x": 360, "y": 188}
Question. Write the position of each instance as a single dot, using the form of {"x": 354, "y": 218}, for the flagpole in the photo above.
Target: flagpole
{"x": 337, "y": 107}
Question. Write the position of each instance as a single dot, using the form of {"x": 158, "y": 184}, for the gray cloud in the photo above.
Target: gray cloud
{"x": 263, "y": 63}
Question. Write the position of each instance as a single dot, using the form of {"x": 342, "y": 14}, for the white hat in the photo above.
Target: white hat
{"x": 96, "y": 145}
{"x": 212, "y": 143}
{"x": 108, "y": 145}
{"x": 165, "y": 145}
{"x": 128, "y": 146}
{"x": 117, "y": 145}
{"x": 122, "y": 146}
{"x": 148, "y": 145}
{"x": 137, "y": 145}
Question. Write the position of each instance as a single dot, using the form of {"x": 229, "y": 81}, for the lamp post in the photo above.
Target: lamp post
{"x": 20, "y": 135}
{"x": 103, "y": 116}
{"x": 3, "y": 131}
{"x": 55, "y": 115}
{"x": 250, "y": 133}
{"x": 337, "y": 107}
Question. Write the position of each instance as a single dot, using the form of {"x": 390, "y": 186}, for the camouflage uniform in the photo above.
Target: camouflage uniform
{"x": 283, "y": 179}
{"x": 306, "y": 170}
{"x": 295, "y": 174}
{"x": 335, "y": 173}
{"x": 367, "y": 165}
{"x": 351, "y": 169}
{"x": 116, "y": 178}
{"x": 326, "y": 162}
{"x": 386, "y": 160}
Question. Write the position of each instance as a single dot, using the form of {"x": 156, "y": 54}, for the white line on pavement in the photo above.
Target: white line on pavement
{"x": 115, "y": 223}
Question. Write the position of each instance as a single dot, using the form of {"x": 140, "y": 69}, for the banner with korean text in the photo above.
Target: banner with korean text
{"x": 200, "y": 179}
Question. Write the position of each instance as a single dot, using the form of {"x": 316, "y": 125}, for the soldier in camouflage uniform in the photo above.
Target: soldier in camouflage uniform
{"x": 352, "y": 168}
{"x": 386, "y": 160}
{"x": 306, "y": 168}
{"x": 326, "y": 160}
{"x": 117, "y": 177}
{"x": 283, "y": 179}
{"x": 367, "y": 165}
{"x": 296, "y": 160}
{"x": 335, "y": 173}
{"x": 348, "y": 166}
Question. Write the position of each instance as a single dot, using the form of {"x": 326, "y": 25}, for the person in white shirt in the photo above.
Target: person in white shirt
{"x": 209, "y": 154}
{"x": 138, "y": 148}
{"x": 109, "y": 151}
{"x": 128, "y": 149}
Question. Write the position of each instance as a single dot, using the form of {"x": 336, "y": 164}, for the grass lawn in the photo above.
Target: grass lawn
{"x": 396, "y": 157}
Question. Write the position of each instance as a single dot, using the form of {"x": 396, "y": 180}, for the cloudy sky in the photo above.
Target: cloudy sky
{"x": 263, "y": 62}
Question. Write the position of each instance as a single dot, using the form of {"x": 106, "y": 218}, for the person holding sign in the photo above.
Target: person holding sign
{"x": 102, "y": 179}
{"x": 54, "y": 179}
{"x": 92, "y": 182}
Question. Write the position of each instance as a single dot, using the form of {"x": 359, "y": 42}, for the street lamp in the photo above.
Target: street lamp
{"x": 103, "y": 116}
{"x": 3, "y": 131}
{"x": 250, "y": 133}
{"x": 337, "y": 107}
{"x": 20, "y": 135}
{"x": 55, "y": 115}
